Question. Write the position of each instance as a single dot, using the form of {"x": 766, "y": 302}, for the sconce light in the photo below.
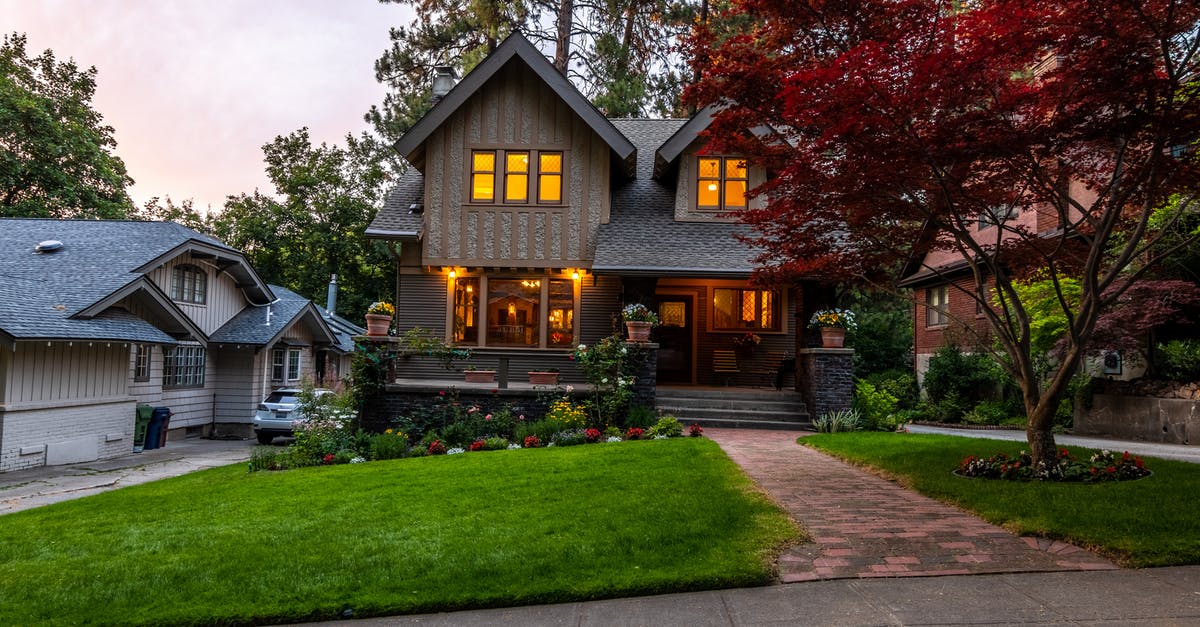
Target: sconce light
{"x": 575, "y": 275}
{"x": 453, "y": 274}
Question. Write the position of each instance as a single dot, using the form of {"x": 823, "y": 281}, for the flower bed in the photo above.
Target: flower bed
{"x": 1102, "y": 466}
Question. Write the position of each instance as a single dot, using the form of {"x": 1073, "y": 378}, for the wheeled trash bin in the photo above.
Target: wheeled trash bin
{"x": 140, "y": 426}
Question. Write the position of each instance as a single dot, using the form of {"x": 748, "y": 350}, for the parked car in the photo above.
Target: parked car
{"x": 277, "y": 412}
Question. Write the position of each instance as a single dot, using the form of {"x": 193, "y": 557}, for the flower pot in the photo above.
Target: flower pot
{"x": 833, "y": 337}
{"x": 377, "y": 325}
{"x": 638, "y": 331}
{"x": 543, "y": 378}
{"x": 479, "y": 376}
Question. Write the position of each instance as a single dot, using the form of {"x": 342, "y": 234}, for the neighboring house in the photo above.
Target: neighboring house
{"x": 99, "y": 316}
{"x": 528, "y": 219}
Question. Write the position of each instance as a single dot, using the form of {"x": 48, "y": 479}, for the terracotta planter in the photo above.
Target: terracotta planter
{"x": 543, "y": 378}
{"x": 479, "y": 376}
{"x": 833, "y": 337}
{"x": 377, "y": 325}
{"x": 638, "y": 331}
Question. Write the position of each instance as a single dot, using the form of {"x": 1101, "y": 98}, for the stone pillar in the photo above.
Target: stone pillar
{"x": 646, "y": 377}
{"x": 826, "y": 379}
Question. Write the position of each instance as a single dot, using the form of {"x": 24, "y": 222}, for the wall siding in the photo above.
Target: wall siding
{"x": 236, "y": 384}
{"x": 66, "y": 371}
{"x": 148, "y": 392}
{"x": 225, "y": 300}
{"x": 515, "y": 111}
{"x": 193, "y": 407}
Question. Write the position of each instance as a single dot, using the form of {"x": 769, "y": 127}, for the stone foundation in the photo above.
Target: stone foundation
{"x": 1148, "y": 418}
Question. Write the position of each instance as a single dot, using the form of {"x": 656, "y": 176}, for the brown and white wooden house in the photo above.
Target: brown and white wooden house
{"x": 99, "y": 316}
{"x": 528, "y": 219}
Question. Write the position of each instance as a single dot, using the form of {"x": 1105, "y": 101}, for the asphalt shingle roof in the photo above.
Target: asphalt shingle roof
{"x": 396, "y": 218}
{"x": 250, "y": 325}
{"x": 642, "y": 234}
{"x": 344, "y": 331}
{"x": 40, "y": 292}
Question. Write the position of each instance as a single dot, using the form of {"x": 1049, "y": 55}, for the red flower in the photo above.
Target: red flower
{"x": 477, "y": 445}
{"x": 328, "y": 459}
{"x": 695, "y": 430}
{"x": 441, "y": 392}
{"x": 634, "y": 433}
{"x": 532, "y": 442}
{"x": 437, "y": 448}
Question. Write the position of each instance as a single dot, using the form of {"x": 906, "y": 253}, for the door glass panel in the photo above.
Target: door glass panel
{"x": 561, "y": 317}
{"x": 514, "y": 312}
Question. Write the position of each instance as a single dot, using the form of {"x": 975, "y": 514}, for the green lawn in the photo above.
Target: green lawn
{"x": 428, "y": 534}
{"x": 1150, "y": 522}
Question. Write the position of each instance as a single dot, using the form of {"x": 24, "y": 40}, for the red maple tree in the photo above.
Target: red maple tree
{"x": 892, "y": 127}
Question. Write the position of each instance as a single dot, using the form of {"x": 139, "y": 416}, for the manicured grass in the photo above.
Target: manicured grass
{"x": 430, "y": 534}
{"x": 1149, "y": 522}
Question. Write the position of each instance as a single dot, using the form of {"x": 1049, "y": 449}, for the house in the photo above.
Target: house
{"x": 99, "y": 316}
{"x": 528, "y": 219}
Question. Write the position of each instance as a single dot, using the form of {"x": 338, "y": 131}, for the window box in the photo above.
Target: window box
{"x": 479, "y": 376}
{"x": 542, "y": 377}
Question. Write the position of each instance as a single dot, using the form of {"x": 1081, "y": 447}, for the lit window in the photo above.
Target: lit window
{"x": 466, "y": 311}
{"x": 937, "y": 299}
{"x": 514, "y": 311}
{"x": 550, "y": 167}
{"x": 183, "y": 367}
{"x": 516, "y": 177}
{"x": 189, "y": 284}
{"x": 483, "y": 175}
{"x": 561, "y": 318}
{"x": 722, "y": 183}
{"x": 736, "y": 309}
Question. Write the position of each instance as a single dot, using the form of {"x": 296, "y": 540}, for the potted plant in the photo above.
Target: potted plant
{"x": 833, "y": 324}
{"x": 379, "y": 318}
{"x": 472, "y": 375}
{"x": 544, "y": 377}
{"x": 638, "y": 321}
{"x": 746, "y": 344}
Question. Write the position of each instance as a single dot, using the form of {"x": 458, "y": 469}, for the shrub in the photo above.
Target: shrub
{"x": 570, "y": 437}
{"x": 477, "y": 445}
{"x": 564, "y": 415}
{"x": 532, "y": 442}
{"x": 668, "y": 426}
{"x": 635, "y": 433}
{"x": 267, "y": 458}
{"x": 899, "y": 383}
{"x": 1179, "y": 360}
{"x": 1102, "y": 466}
{"x": 837, "y": 421}
{"x": 969, "y": 378}
{"x": 389, "y": 445}
{"x": 989, "y": 413}
{"x": 495, "y": 444}
{"x": 459, "y": 433}
{"x": 641, "y": 416}
{"x": 695, "y": 430}
{"x": 544, "y": 430}
{"x": 593, "y": 435}
{"x": 610, "y": 366}
{"x": 436, "y": 448}
{"x": 612, "y": 432}
{"x": 877, "y": 407}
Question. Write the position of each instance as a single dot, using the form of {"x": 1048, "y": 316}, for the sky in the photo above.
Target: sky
{"x": 194, "y": 88}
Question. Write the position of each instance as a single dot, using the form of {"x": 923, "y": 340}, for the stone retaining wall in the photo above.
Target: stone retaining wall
{"x": 1153, "y": 419}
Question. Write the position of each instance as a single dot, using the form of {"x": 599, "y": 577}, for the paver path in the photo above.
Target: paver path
{"x": 865, "y": 526}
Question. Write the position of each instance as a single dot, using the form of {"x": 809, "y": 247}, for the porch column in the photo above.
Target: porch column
{"x": 826, "y": 379}
{"x": 645, "y": 384}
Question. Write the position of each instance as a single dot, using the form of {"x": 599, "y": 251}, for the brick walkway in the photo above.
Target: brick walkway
{"x": 865, "y": 526}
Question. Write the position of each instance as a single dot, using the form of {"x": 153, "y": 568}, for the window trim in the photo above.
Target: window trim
{"x": 198, "y": 295}
{"x": 190, "y": 374}
{"x": 781, "y": 307}
{"x": 286, "y": 364}
{"x": 293, "y": 364}
{"x": 533, "y": 178}
{"x": 141, "y": 362}
{"x": 481, "y": 310}
{"x": 722, "y": 180}
{"x": 937, "y": 311}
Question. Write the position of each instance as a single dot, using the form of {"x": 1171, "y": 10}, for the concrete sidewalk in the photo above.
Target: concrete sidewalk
{"x": 1159, "y": 596}
{"x": 34, "y": 487}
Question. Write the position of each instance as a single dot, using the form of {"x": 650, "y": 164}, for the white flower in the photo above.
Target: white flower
{"x": 570, "y": 388}
{"x": 455, "y": 451}
{"x": 549, "y": 445}
{"x": 357, "y": 460}
{"x": 613, "y": 438}
{"x": 623, "y": 351}
{"x": 514, "y": 446}
{"x": 604, "y": 380}
{"x": 660, "y": 437}
{"x": 582, "y": 347}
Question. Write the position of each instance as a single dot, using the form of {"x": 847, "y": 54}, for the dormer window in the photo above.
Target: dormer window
{"x": 518, "y": 182}
{"x": 189, "y": 284}
{"x": 721, "y": 184}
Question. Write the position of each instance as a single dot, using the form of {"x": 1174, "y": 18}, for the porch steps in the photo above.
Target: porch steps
{"x": 734, "y": 408}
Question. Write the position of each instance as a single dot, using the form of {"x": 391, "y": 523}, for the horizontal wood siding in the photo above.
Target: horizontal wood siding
{"x": 235, "y": 384}
{"x": 148, "y": 392}
{"x": 514, "y": 111}
{"x": 599, "y": 301}
{"x": 422, "y": 304}
{"x": 41, "y": 372}
{"x": 224, "y": 299}
{"x": 6, "y": 357}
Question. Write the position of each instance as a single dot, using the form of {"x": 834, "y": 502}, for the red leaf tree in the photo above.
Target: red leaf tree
{"x": 894, "y": 126}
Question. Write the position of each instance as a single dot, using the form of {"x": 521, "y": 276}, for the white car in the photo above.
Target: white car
{"x": 277, "y": 412}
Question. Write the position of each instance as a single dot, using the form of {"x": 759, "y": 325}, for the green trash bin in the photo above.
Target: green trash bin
{"x": 144, "y": 412}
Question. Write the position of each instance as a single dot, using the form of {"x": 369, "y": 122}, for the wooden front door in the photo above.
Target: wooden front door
{"x": 675, "y": 338}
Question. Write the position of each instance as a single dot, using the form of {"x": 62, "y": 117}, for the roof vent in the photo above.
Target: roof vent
{"x": 48, "y": 246}
{"x": 416, "y": 208}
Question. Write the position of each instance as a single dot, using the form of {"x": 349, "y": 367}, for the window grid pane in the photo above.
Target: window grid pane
{"x": 483, "y": 175}
{"x": 466, "y": 311}
{"x": 561, "y": 317}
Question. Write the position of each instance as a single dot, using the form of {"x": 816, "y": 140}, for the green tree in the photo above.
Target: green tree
{"x": 185, "y": 213}
{"x": 313, "y": 226}
{"x": 57, "y": 159}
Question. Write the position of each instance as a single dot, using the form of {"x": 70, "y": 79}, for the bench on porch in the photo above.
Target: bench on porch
{"x": 725, "y": 364}
{"x": 767, "y": 370}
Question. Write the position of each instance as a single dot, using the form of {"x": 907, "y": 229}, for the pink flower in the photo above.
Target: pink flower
{"x": 487, "y": 417}
{"x": 442, "y": 393}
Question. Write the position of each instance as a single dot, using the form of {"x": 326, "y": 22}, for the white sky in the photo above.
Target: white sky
{"x": 194, "y": 88}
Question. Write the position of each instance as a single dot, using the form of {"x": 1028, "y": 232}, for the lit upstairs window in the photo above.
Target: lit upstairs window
{"x": 483, "y": 175}
{"x": 721, "y": 184}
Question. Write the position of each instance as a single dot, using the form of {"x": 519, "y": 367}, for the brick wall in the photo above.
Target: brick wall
{"x": 962, "y": 319}
{"x": 85, "y": 432}
{"x": 826, "y": 378}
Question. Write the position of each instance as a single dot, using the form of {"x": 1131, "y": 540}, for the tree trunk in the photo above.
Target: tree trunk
{"x": 1040, "y": 435}
{"x": 562, "y": 42}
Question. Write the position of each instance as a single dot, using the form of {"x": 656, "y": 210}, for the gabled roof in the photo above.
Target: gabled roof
{"x": 669, "y": 151}
{"x": 253, "y": 326}
{"x": 71, "y": 293}
{"x": 516, "y": 47}
{"x": 642, "y": 236}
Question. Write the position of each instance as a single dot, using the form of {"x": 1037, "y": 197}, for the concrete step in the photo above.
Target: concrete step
{"x": 736, "y": 423}
{"x": 791, "y": 414}
{"x": 764, "y": 394}
{"x": 734, "y": 404}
